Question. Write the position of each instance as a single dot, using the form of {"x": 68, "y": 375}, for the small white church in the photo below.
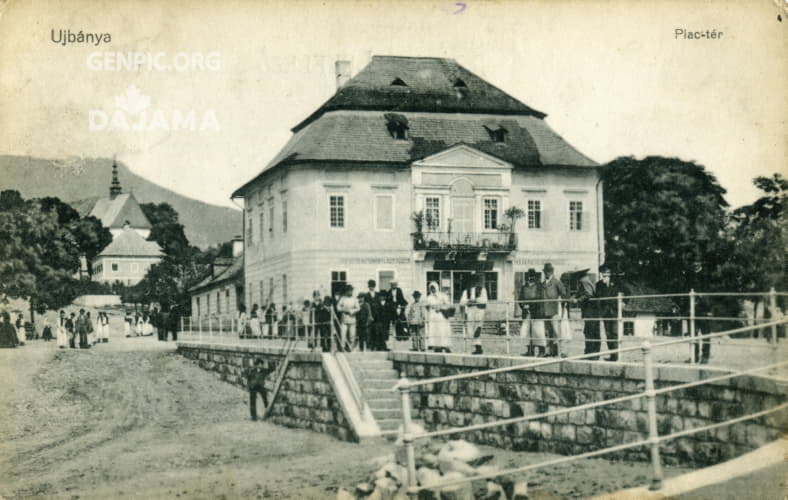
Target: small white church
{"x": 130, "y": 255}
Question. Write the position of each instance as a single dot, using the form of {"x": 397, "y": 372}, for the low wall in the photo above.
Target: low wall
{"x": 306, "y": 399}
{"x": 97, "y": 300}
{"x": 526, "y": 392}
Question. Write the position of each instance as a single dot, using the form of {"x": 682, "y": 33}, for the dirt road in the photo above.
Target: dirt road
{"x": 133, "y": 419}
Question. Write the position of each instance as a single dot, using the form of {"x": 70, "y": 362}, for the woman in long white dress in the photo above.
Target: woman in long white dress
{"x": 438, "y": 328}
{"x": 138, "y": 325}
{"x": 128, "y": 323}
{"x": 147, "y": 327}
{"x": 62, "y": 333}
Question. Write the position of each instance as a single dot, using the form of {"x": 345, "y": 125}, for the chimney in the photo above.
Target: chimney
{"x": 238, "y": 246}
{"x": 343, "y": 70}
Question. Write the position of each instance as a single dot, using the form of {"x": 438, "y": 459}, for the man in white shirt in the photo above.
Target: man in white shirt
{"x": 474, "y": 300}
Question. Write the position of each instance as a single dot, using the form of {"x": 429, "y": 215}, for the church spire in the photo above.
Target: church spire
{"x": 114, "y": 188}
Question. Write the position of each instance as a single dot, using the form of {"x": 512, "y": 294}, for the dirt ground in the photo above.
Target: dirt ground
{"x": 133, "y": 419}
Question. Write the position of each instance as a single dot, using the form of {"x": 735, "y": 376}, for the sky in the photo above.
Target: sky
{"x": 613, "y": 77}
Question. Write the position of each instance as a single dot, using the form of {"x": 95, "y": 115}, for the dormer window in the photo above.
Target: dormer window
{"x": 497, "y": 135}
{"x": 397, "y": 125}
{"x": 459, "y": 84}
{"x": 397, "y": 82}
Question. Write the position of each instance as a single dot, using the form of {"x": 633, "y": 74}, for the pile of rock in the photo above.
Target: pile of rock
{"x": 438, "y": 463}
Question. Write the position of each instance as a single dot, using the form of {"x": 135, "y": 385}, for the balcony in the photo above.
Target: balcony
{"x": 491, "y": 242}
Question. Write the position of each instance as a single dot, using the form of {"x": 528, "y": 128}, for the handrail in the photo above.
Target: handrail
{"x": 595, "y": 453}
{"x": 578, "y": 357}
{"x": 650, "y": 393}
{"x": 588, "y": 406}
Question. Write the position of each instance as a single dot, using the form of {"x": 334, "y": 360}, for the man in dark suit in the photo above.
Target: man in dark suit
{"x": 584, "y": 298}
{"x": 83, "y": 328}
{"x": 255, "y": 382}
{"x": 605, "y": 288}
{"x": 552, "y": 290}
{"x": 379, "y": 331}
{"x": 396, "y": 309}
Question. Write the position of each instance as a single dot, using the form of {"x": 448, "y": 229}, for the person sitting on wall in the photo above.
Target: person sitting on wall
{"x": 255, "y": 382}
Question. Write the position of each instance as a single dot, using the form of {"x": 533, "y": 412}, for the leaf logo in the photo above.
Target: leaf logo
{"x": 132, "y": 102}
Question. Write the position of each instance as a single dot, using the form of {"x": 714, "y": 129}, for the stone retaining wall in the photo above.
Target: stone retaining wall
{"x": 306, "y": 399}
{"x": 526, "y": 392}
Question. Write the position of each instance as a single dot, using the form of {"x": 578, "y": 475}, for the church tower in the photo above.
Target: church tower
{"x": 114, "y": 188}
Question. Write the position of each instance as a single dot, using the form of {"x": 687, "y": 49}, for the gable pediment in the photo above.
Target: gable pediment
{"x": 463, "y": 156}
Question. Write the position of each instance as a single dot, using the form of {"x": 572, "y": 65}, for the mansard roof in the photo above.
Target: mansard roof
{"x": 398, "y": 110}
{"x": 431, "y": 84}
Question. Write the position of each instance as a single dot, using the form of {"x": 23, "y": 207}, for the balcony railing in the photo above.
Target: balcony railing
{"x": 489, "y": 242}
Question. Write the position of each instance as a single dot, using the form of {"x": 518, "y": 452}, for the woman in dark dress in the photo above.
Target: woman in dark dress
{"x": 7, "y": 332}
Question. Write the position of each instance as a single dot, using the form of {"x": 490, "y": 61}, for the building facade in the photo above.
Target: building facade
{"x": 407, "y": 173}
{"x": 127, "y": 259}
{"x": 222, "y": 291}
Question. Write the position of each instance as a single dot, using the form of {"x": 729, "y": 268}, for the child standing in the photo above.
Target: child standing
{"x": 416, "y": 319}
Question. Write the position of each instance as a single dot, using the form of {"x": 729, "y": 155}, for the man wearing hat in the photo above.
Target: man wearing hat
{"x": 552, "y": 290}
{"x": 532, "y": 331}
{"x": 395, "y": 307}
{"x": 474, "y": 299}
{"x": 605, "y": 289}
{"x": 584, "y": 298}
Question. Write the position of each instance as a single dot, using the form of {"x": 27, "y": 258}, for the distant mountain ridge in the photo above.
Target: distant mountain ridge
{"x": 81, "y": 180}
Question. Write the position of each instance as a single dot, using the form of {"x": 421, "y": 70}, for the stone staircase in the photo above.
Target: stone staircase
{"x": 376, "y": 376}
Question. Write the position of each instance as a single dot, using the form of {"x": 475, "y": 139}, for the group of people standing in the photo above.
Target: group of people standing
{"x": 544, "y": 306}
{"x": 162, "y": 321}
{"x": 12, "y": 334}
{"x": 80, "y": 331}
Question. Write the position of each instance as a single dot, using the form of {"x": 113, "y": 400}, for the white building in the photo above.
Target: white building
{"x": 127, "y": 259}
{"x": 129, "y": 256}
{"x": 409, "y": 135}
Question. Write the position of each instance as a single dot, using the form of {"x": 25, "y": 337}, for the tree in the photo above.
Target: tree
{"x": 665, "y": 223}
{"x": 41, "y": 242}
{"x": 758, "y": 234}
{"x": 167, "y": 231}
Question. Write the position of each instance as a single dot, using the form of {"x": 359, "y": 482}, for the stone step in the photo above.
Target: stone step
{"x": 389, "y": 424}
{"x": 379, "y": 383}
{"x": 386, "y": 413}
{"x": 367, "y": 356}
{"x": 380, "y": 373}
{"x": 383, "y": 404}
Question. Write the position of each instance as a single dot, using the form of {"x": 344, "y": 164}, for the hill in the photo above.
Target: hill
{"x": 83, "y": 179}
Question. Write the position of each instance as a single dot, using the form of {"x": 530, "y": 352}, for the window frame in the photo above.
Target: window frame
{"x": 343, "y": 197}
{"x": 497, "y": 209}
{"x": 427, "y": 209}
{"x": 115, "y": 267}
{"x": 331, "y": 279}
{"x": 580, "y": 220}
{"x": 539, "y": 219}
